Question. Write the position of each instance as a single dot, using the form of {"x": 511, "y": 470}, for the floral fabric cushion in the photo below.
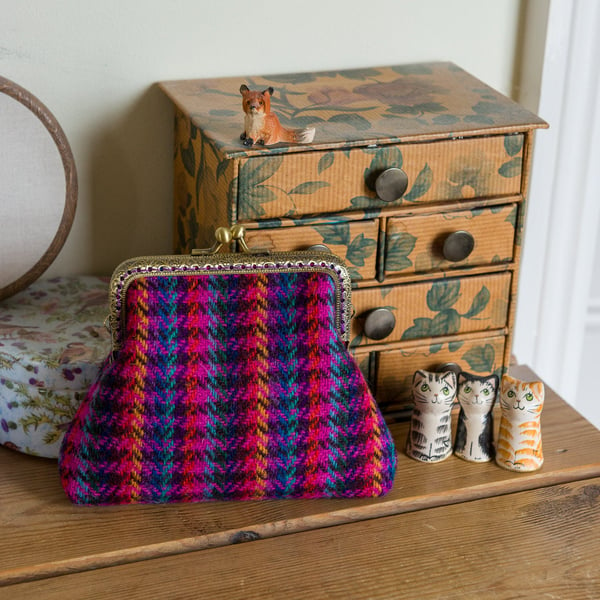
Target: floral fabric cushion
{"x": 52, "y": 343}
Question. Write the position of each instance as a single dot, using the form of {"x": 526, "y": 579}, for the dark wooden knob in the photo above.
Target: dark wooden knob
{"x": 379, "y": 323}
{"x": 319, "y": 248}
{"x": 391, "y": 184}
{"x": 448, "y": 366}
{"x": 457, "y": 246}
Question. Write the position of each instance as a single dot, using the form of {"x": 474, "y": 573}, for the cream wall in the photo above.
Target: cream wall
{"x": 94, "y": 65}
{"x": 558, "y": 327}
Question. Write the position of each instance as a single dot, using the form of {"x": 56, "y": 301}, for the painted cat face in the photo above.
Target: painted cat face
{"x": 434, "y": 389}
{"x": 477, "y": 394}
{"x": 521, "y": 400}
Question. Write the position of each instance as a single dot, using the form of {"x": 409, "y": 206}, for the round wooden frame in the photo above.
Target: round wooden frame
{"x": 48, "y": 120}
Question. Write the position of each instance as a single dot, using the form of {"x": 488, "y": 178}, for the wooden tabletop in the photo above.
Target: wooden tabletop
{"x": 537, "y": 544}
{"x": 43, "y": 535}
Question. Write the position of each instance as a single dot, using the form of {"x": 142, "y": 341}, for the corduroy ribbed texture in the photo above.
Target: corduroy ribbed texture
{"x": 228, "y": 387}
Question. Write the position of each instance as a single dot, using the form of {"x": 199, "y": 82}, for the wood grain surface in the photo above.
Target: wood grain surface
{"x": 44, "y": 535}
{"x": 538, "y": 544}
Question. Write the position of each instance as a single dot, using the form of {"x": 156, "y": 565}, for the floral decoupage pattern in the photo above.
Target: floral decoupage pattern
{"x": 297, "y": 184}
{"x": 436, "y": 309}
{"x": 365, "y": 120}
{"x": 354, "y": 241}
{"x": 382, "y": 105}
{"x": 52, "y": 342}
{"x": 481, "y": 356}
{"x": 413, "y": 244}
{"x": 464, "y": 149}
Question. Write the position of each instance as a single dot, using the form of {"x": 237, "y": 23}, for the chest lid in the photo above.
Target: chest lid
{"x": 357, "y": 107}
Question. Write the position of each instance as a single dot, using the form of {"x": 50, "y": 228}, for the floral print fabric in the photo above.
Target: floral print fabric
{"x": 52, "y": 342}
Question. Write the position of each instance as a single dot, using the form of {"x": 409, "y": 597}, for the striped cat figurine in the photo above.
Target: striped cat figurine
{"x": 429, "y": 436}
{"x": 519, "y": 446}
{"x": 475, "y": 430}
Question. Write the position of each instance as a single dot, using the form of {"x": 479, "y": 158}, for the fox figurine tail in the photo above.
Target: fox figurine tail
{"x": 261, "y": 126}
{"x": 300, "y": 136}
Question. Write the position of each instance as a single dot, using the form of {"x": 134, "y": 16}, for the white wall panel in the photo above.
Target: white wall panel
{"x": 564, "y": 211}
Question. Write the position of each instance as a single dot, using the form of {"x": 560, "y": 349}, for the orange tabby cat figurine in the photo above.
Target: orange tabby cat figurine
{"x": 519, "y": 446}
{"x": 261, "y": 126}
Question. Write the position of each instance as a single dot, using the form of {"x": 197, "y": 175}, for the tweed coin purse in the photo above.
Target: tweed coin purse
{"x": 229, "y": 379}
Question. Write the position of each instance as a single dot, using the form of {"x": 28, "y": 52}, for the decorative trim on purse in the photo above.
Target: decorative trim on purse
{"x": 230, "y": 379}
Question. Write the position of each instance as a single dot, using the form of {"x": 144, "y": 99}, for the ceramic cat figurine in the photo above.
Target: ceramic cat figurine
{"x": 475, "y": 429}
{"x": 429, "y": 436}
{"x": 519, "y": 446}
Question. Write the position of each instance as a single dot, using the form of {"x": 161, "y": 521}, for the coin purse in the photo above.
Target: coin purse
{"x": 229, "y": 379}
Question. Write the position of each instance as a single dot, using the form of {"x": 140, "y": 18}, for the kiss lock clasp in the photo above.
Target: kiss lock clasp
{"x": 223, "y": 237}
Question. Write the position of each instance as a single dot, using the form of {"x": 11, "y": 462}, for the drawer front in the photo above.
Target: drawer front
{"x": 432, "y": 308}
{"x": 450, "y": 240}
{"x": 355, "y": 242}
{"x": 340, "y": 180}
{"x": 395, "y": 368}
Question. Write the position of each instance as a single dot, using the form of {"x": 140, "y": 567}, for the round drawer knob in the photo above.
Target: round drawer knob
{"x": 458, "y": 245}
{"x": 449, "y": 366}
{"x": 379, "y": 323}
{"x": 391, "y": 184}
{"x": 318, "y": 248}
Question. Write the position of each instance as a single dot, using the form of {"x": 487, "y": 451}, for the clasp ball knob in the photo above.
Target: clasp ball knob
{"x": 223, "y": 235}
{"x": 379, "y": 323}
{"x": 391, "y": 184}
{"x": 238, "y": 232}
{"x": 458, "y": 246}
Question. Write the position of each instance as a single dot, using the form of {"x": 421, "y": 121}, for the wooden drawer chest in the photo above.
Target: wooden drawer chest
{"x": 417, "y": 177}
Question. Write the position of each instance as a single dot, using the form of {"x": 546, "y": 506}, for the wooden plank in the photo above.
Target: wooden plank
{"x": 537, "y": 544}
{"x": 44, "y": 535}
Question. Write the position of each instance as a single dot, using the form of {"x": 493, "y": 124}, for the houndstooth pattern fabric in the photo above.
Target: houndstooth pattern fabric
{"x": 228, "y": 387}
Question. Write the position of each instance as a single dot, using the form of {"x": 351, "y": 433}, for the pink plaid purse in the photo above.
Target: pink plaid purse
{"x": 230, "y": 379}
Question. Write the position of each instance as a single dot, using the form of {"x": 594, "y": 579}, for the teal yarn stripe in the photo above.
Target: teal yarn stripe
{"x": 288, "y": 425}
{"x": 166, "y": 399}
{"x": 339, "y": 406}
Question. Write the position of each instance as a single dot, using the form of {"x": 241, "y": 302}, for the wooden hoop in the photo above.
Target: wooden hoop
{"x": 48, "y": 120}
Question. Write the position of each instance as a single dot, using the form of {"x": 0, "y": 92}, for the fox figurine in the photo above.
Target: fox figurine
{"x": 261, "y": 126}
